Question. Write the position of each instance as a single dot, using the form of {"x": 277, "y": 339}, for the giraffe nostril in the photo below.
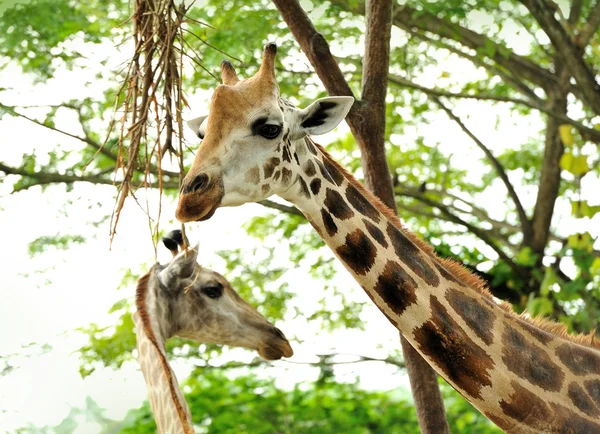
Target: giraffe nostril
{"x": 199, "y": 183}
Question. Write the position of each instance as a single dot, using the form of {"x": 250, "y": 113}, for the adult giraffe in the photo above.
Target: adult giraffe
{"x": 187, "y": 300}
{"x": 527, "y": 376}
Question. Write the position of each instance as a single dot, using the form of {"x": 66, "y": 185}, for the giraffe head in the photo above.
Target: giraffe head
{"x": 194, "y": 302}
{"x": 248, "y": 143}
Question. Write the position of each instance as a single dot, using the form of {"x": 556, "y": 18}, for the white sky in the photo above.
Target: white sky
{"x": 45, "y": 298}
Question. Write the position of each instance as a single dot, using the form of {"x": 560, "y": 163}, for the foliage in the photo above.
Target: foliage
{"x": 246, "y": 404}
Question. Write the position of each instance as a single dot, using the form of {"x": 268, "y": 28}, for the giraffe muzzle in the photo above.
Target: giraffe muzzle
{"x": 199, "y": 198}
{"x": 276, "y": 347}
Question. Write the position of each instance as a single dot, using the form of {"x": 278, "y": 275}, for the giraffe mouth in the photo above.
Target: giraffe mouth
{"x": 276, "y": 352}
{"x": 199, "y": 206}
{"x": 209, "y": 214}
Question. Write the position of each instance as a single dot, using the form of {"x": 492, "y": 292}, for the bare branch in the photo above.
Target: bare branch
{"x": 325, "y": 360}
{"x": 525, "y": 223}
{"x": 566, "y": 50}
{"x": 481, "y": 234}
{"x": 87, "y": 140}
{"x": 46, "y": 178}
{"x": 281, "y": 207}
{"x": 590, "y": 27}
{"x": 589, "y": 133}
{"x": 314, "y": 46}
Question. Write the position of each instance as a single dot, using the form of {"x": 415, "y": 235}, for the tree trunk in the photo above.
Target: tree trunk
{"x": 367, "y": 123}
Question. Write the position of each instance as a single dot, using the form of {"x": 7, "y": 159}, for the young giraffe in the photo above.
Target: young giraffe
{"x": 187, "y": 300}
{"x": 527, "y": 376}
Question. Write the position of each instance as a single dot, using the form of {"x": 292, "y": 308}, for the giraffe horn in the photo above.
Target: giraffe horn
{"x": 267, "y": 68}
{"x": 228, "y": 73}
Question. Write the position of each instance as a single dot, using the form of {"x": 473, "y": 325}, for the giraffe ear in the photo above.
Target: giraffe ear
{"x": 180, "y": 268}
{"x": 198, "y": 125}
{"x": 323, "y": 115}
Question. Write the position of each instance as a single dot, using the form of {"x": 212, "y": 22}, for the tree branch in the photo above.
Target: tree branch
{"x": 86, "y": 140}
{"x": 314, "y": 46}
{"x": 590, "y": 133}
{"x": 409, "y": 18}
{"x": 524, "y": 220}
{"x": 325, "y": 360}
{"x": 590, "y": 27}
{"x": 281, "y": 207}
{"x": 566, "y": 50}
{"x": 549, "y": 178}
{"x": 366, "y": 129}
{"x": 481, "y": 234}
{"x": 45, "y": 178}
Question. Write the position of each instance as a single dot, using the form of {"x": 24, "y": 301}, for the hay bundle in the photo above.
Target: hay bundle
{"x": 151, "y": 97}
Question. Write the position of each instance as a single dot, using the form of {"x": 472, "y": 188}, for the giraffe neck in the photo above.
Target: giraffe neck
{"x": 168, "y": 405}
{"x": 520, "y": 374}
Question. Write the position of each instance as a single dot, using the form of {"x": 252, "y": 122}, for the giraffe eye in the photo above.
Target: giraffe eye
{"x": 213, "y": 291}
{"x": 269, "y": 131}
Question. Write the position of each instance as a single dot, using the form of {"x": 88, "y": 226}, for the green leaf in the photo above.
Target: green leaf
{"x": 581, "y": 241}
{"x": 527, "y": 257}
{"x": 565, "y": 132}
{"x": 548, "y": 280}
{"x": 577, "y": 165}
{"x": 595, "y": 268}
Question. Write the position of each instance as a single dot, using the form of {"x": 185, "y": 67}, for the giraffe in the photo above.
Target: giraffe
{"x": 187, "y": 300}
{"x": 526, "y": 375}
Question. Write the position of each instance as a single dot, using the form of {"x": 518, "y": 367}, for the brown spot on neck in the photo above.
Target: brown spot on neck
{"x": 464, "y": 363}
{"x": 337, "y": 206}
{"x": 328, "y": 223}
{"x": 580, "y": 360}
{"x": 358, "y": 253}
{"x": 396, "y": 288}
{"x": 361, "y": 204}
{"x": 582, "y": 401}
{"x": 528, "y": 361}
{"x": 478, "y": 317}
{"x": 315, "y": 186}
{"x": 376, "y": 233}
{"x": 527, "y": 409}
{"x": 412, "y": 256}
{"x": 309, "y": 168}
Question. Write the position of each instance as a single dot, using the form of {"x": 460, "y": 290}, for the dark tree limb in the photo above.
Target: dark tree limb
{"x": 46, "y": 178}
{"x": 549, "y": 178}
{"x": 566, "y": 50}
{"x": 590, "y": 27}
{"x": 590, "y": 133}
{"x": 523, "y": 219}
{"x": 409, "y": 18}
{"x": 87, "y": 139}
{"x": 367, "y": 122}
{"x": 480, "y": 233}
{"x": 281, "y": 207}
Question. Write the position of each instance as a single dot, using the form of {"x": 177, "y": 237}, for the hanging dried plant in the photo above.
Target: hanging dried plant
{"x": 152, "y": 97}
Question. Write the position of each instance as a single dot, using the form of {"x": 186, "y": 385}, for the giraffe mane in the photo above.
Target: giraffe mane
{"x": 140, "y": 304}
{"x": 458, "y": 271}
